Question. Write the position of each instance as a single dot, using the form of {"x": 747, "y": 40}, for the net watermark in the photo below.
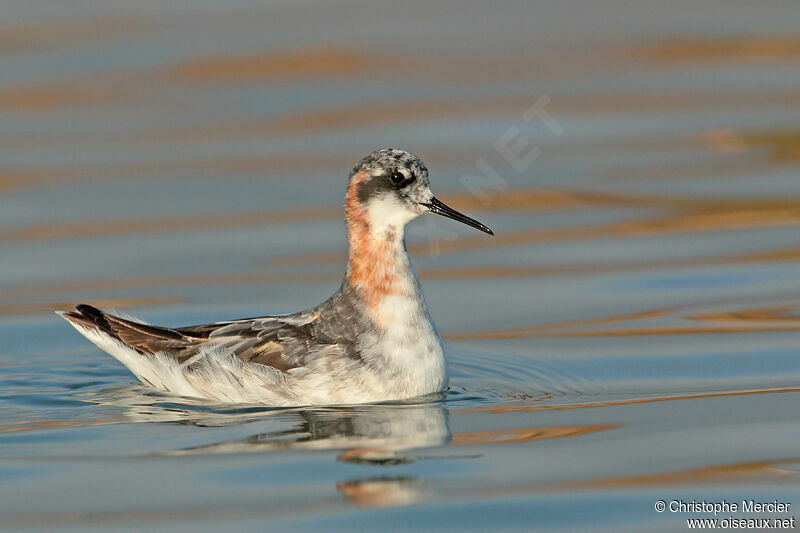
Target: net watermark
{"x": 514, "y": 149}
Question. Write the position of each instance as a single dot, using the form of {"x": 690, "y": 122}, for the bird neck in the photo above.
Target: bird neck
{"x": 378, "y": 265}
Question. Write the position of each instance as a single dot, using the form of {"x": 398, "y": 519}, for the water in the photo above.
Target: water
{"x": 631, "y": 334}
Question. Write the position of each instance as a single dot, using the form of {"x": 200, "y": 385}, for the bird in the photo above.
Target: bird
{"x": 372, "y": 341}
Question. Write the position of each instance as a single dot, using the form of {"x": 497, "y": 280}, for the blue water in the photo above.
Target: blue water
{"x": 631, "y": 334}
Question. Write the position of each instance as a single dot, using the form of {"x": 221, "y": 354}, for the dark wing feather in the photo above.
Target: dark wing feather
{"x": 279, "y": 342}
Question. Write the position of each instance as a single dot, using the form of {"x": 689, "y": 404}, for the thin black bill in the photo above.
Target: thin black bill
{"x": 440, "y": 209}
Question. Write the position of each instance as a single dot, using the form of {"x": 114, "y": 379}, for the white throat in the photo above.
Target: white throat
{"x": 387, "y": 215}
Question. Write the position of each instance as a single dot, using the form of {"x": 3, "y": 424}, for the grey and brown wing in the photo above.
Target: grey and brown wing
{"x": 283, "y": 342}
{"x": 279, "y": 342}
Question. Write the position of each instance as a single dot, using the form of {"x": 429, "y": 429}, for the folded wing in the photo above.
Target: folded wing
{"x": 281, "y": 342}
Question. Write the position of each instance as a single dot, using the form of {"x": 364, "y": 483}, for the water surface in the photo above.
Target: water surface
{"x": 631, "y": 334}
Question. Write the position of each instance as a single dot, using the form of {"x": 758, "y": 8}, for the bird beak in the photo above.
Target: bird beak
{"x": 435, "y": 206}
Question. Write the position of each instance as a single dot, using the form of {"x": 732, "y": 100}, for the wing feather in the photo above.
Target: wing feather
{"x": 282, "y": 343}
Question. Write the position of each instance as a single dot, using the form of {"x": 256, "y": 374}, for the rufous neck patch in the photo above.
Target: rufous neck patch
{"x": 373, "y": 267}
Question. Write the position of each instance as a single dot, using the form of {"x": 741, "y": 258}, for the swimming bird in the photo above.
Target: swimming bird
{"x": 372, "y": 341}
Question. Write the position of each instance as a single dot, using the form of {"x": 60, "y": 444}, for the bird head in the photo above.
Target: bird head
{"x": 393, "y": 188}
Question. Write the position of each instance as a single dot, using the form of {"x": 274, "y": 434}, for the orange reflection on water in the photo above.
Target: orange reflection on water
{"x": 156, "y": 225}
{"x": 758, "y": 48}
{"x": 748, "y": 320}
{"x": 502, "y": 436}
{"x": 405, "y": 491}
{"x": 13, "y": 295}
{"x": 168, "y": 281}
{"x": 523, "y": 408}
{"x": 386, "y": 113}
{"x": 771, "y": 314}
{"x": 382, "y": 491}
{"x": 32, "y": 98}
{"x": 684, "y": 215}
{"x": 707, "y": 474}
{"x": 34, "y": 425}
{"x": 21, "y": 308}
{"x": 782, "y": 146}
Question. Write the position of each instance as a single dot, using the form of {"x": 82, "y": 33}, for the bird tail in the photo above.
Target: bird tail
{"x": 87, "y": 316}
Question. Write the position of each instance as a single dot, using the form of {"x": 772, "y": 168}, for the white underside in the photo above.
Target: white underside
{"x": 216, "y": 374}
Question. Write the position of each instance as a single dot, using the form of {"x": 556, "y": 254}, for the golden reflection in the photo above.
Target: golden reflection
{"x": 125, "y": 85}
{"x": 408, "y": 111}
{"x": 685, "y": 215}
{"x": 256, "y": 167}
{"x": 33, "y": 98}
{"x": 383, "y": 491}
{"x": 34, "y": 425}
{"x": 515, "y": 200}
{"x": 332, "y": 119}
{"x": 264, "y": 166}
{"x": 759, "y": 48}
{"x": 327, "y": 61}
{"x": 526, "y": 271}
{"x": 735, "y": 164}
{"x": 782, "y": 146}
{"x": 681, "y": 222}
{"x": 156, "y": 225}
{"x": 404, "y": 491}
{"x": 14, "y": 180}
{"x": 512, "y": 333}
{"x": 627, "y": 332}
{"x": 502, "y": 436}
{"x": 706, "y": 474}
{"x": 747, "y": 320}
{"x": 38, "y": 307}
{"x": 757, "y": 471}
{"x": 521, "y": 407}
{"x": 169, "y": 281}
{"x": 494, "y": 272}
{"x": 779, "y": 314}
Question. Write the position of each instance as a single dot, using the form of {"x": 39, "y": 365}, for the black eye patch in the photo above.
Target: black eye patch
{"x": 382, "y": 184}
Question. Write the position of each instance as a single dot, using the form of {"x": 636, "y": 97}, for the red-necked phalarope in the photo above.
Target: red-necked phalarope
{"x": 373, "y": 340}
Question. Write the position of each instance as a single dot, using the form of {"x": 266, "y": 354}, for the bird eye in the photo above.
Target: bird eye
{"x": 399, "y": 179}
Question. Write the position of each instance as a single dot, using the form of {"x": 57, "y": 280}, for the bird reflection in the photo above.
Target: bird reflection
{"x": 383, "y": 491}
{"x": 382, "y": 435}
{"x": 367, "y": 434}
{"x": 376, "y": 434}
